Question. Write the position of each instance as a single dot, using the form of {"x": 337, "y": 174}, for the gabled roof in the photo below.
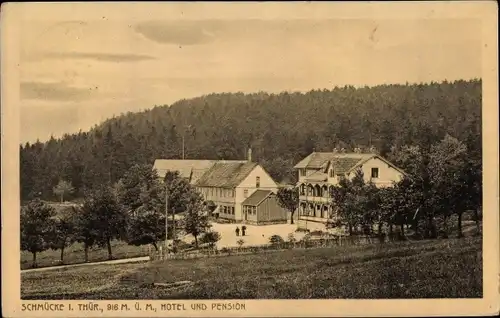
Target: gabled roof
{"x": 317, "y": 160}
{"x": 184, "y": 167}
{"x": 318, "y": 176}
{"x": 257, "y": 197}
{"x": 342, "y": 162}
{"x": 346, "y": 164}
{"x": 226, "y": 174}
{"x": 192, "y": 170}
{"x": 381, "y": 158}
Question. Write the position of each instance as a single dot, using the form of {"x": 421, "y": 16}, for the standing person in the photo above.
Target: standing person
{"x": 237, "y": 231}
{"x": 243, "y": 230}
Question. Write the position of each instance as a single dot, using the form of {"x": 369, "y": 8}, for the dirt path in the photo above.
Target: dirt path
{"x": 116, "y": 261}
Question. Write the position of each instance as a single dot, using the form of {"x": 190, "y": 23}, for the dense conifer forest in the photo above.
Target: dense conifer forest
{"x": 280, "y": 128}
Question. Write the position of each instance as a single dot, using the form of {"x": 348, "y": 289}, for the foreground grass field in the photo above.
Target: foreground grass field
{"x": 425, "y": 269}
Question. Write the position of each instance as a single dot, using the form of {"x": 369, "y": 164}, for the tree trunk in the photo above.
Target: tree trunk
{"x": 62, "y": 253}
{"x": 350, "y": 229}
{"x": 196, "y": 240}
{"x": 476, "y": 217}
{"x": 445, "y": 225}
{"x": 34, "y": 265}
{"x": 155, "y": 246}
{"x": 390, "y": 229}
{"x": 86, "y": 252}
{"x": 430, "y": 231}
{"x": 291, "y": 217}
{"x": 379, "y": 230}
{"x": 460, "y": 234}
{"x": 62, "y": 197}
{"x": 108, "y": 242}
{"x": 402, "y": 229}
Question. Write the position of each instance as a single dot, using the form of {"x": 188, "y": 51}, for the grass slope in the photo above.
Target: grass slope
{"x": 426, "y": 269}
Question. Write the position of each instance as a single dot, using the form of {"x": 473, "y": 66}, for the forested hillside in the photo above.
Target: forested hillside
{"x": 280, "y": 128}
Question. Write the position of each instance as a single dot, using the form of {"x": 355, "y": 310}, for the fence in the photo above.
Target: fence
{"x": 255, "y": 249}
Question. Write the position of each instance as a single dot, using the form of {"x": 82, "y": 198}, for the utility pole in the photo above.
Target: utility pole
{"x": 173, "y": 230}
{"x": 188, "y": 128}
{"x": 183, "y": 137}
{"x": 166, "y": 217}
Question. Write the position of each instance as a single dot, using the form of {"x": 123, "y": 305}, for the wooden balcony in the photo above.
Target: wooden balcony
{"x": 315, "y": 199}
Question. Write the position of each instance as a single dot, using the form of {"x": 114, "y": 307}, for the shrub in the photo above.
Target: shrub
{"x": 276, "y": 240}
{"x": 210, "y": 238}
{"x": 240, "y": 242}
{"x": 181, "y": 245}
{"x": 305, "y": 241}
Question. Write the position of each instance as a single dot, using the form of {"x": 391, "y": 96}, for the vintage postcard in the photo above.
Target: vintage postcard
{"x": 252, "y": 159}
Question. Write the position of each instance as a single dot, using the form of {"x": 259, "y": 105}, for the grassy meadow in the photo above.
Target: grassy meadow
{"x": 450, "y": 268}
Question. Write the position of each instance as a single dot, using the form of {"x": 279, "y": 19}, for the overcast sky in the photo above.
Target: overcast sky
{"x": 78, "y": 69}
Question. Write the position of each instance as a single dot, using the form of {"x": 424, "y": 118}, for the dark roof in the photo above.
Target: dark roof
{"x": 342, "y": 162}
{"x": 189, "y": 169}
{"x": 344, "y": 165}
{"x": 257, "y": 197}
{"x": 226, "y": 174}
{"x": 318, "y": 160}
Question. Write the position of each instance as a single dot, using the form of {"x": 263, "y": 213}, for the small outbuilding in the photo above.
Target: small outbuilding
{"x": 262, "y": 207}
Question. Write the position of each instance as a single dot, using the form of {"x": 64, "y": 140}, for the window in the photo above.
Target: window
{"x": 232, "y": 210}
{"x": 245, "y": 193}
{"x": 257, "y": 182}
{"x": 254, "y": 210}
{"x": 302, "y": 172}
{"x": 374, "y": 173}
{"x": 332, "y": 173}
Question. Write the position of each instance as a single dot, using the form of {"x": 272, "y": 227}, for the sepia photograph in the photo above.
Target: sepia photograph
{"x": 204, "y": 152}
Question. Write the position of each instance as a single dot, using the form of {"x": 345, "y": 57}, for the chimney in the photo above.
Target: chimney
{"x": 249, "y": 155}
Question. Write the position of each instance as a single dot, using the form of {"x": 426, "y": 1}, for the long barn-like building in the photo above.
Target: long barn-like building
{"x": 228, "y": 184}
